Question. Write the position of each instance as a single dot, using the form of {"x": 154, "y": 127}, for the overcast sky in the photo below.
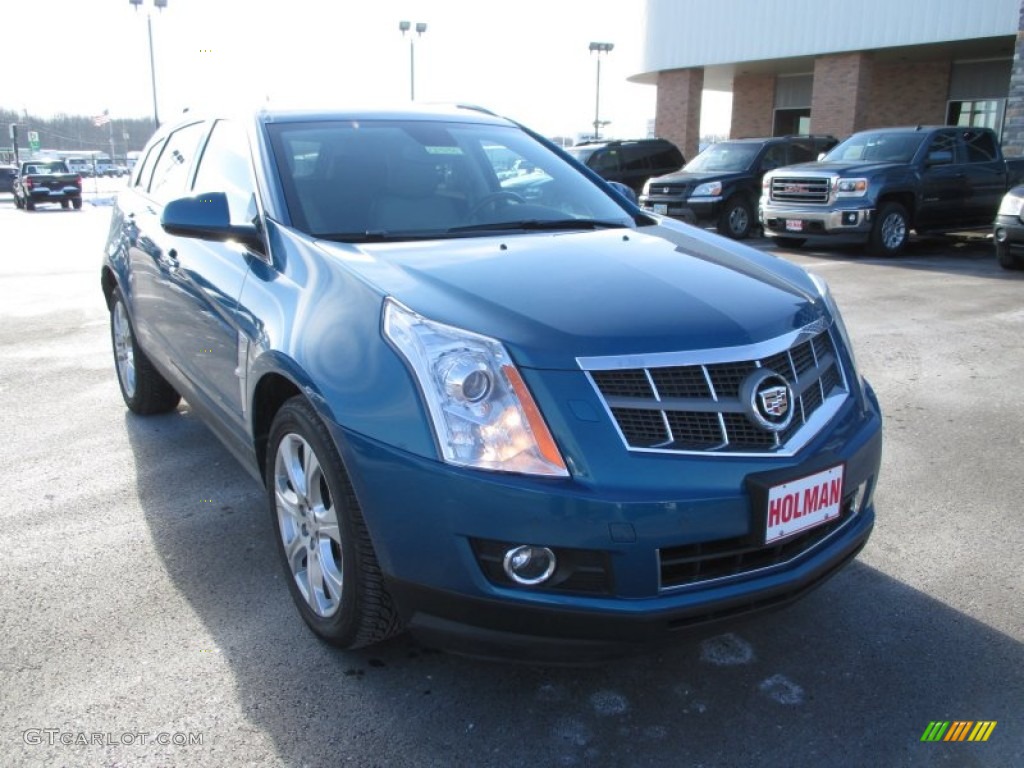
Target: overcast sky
{"x": 527, "y": 59}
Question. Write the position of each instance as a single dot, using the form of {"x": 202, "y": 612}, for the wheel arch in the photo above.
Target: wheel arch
{"x": 906, "y": 199}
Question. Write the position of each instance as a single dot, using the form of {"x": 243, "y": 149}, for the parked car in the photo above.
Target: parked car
{"x": 629, "y": 162}
{"x": 82, "y": 166}
{"x": 7, "y": 174}
{"x": 42, "y": 182}
{"x": 722, "y": 184}
{"x": 879, "y": 185}
{"x": 1008, "y": 230}
{"x": 546, "y": 428}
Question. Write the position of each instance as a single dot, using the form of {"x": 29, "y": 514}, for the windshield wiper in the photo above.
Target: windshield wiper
{"x": 540, "y": 224}
{"x": 378, "y": 236}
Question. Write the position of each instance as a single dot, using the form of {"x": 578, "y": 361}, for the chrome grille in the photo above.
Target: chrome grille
{"x": 699, "y": 408}
{"x": 800, "y": 189}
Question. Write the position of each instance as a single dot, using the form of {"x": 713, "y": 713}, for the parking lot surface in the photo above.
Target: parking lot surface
{"x": 146, "y": 620}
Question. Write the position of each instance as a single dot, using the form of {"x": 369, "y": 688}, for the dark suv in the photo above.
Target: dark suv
{"x": 722, "y": 184}
{"x": 629, "y": 162}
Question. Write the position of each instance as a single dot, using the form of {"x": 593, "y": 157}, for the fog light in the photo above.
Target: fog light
{"x": 1000, "y": 235}
{"x": 859, "y": 498}
{"x": 529, "y": 565}
{"x": 850, "y": 218}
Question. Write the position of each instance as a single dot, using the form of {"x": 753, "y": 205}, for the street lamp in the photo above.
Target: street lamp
{"x": 160, "y": 5}
{"x": 599, "y": 48}
{"x": 403, "y": 27}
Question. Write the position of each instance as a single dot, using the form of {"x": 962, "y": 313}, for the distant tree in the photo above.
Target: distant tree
{"x": 70, "y": 132}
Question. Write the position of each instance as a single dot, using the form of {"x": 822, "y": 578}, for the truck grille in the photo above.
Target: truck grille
{"x": 699, "y": 408}
{"x": 800, "y": 189}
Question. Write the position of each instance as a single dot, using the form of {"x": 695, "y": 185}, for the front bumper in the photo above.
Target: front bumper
{"x": 691, "y": 210}
{"x": 856, "y": 218}
{"x": 1008, "y": 231}
{"x": 427, "y": 521}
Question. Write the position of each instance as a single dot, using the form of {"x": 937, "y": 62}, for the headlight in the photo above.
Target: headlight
{"x": 1011, "y": 205}
{"x": 837, "y": 318}
{"x": 647, "y": 188}
{"x": 482, "y": 413}
{"x": 851, "y": 187}
{"x": 710, "y": 189}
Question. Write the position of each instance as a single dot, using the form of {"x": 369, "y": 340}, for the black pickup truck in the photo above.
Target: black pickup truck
{"x": 878, "y": 185}
{"x": 47, "y": 181}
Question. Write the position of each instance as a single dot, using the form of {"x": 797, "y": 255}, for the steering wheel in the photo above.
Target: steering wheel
{"x": 491, "y": 199}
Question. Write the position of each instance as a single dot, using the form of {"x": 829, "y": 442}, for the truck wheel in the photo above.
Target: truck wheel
{"x": 736, "y": 219}
{"x": 17, "y": 202}
{"x": 790, "y": 242}
{"x": 1007, "y": 258}
{"x": 329, "y": 562}
{"x": 77, "y": 203}
{"x": 144, "y": 390}
{"x": 891, "y": 230}
{"x": 29, "y": 205}
{"x": 65, "y": 204}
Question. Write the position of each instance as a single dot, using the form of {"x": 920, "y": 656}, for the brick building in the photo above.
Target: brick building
{"x": 831, "y": 66}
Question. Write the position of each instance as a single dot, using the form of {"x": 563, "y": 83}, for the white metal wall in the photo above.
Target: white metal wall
{"x": 694, "y": 33}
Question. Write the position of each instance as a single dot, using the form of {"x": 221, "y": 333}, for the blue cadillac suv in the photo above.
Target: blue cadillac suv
{"x": 506, "y": 410}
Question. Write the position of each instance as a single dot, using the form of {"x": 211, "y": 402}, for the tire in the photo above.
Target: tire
{"x": 144, "y": 390}
{"x": 17, "y": 202}
{"x": 1007, "y": 258}
{"x": 29, "y": 205}
{"x": 77, "y": 203}
{"x": 890, "y": 232}
{"x": 65, "y": 204}
{"x": 737, "y": 218}
{"x": 325, "y": 548}
{"x": 790, "y": 242}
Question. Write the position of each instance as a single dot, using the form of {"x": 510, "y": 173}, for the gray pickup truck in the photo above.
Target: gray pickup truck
{"x": 878, "y": 185}
{"x": 47, "y": 181}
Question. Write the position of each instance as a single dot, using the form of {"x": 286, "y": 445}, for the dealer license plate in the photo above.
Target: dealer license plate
{"x": 794, "y": 225}
{"x": 800, "y": 505}
{"x": 661, "y": 208}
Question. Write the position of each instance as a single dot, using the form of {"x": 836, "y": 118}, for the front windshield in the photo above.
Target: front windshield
{"x": 407, "y": 179}
{"x": 877, "y": 147}
{"x": 724, "y": 157}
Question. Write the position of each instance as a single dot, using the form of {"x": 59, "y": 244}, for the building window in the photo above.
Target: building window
{"x": 977, "y": 113}
{"x": 791, "y": 122}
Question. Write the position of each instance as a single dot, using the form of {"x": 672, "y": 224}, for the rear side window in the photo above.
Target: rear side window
{"x": 981, "y": 146}
{"x": 145, "y": 169}
{"x": 635, "y": 159}
{"x": 170, "y": 174}
{"x": 670, "y": 158}
{"x": 604, "y": 160}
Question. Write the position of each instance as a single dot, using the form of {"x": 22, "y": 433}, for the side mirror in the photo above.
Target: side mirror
{"x": 821, "y": 156}
{"x": 625, "y": 190}
{"x": 207, "y": 217}
{"x": 940, "y": 157}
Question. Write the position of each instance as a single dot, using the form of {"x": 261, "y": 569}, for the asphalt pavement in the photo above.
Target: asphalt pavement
{"x": 145, "y": 619}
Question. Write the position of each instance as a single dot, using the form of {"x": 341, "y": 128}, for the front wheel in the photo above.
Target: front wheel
{"x": 890, "y": 232}
{"x": 737, "y": 219}
{"x": 77, "y": 203}
{"x": 144, "y": 390}
{"x": 325, "y": 547}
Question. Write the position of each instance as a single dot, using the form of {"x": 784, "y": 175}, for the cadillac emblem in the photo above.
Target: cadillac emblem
{"x": 768, "y": 399}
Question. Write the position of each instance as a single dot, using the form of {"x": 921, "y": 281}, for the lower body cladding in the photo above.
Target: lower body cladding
{"x": 506, "y": 566}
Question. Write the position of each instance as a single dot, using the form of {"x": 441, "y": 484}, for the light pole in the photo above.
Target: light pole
{"x": 403, "y": 27}
{"x": 599, "y": 48}
{"x": 160, "y": 5}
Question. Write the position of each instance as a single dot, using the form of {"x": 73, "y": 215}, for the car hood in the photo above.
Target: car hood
{"x": 697, "y": 177}
{"x": 839, "y": 169}
{"x": 554, "y": 297}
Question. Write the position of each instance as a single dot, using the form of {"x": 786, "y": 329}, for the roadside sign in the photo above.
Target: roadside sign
{"x": 33, "y": 141}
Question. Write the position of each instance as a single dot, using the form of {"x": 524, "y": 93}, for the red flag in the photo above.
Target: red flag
{"x": 101, "y": 119}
